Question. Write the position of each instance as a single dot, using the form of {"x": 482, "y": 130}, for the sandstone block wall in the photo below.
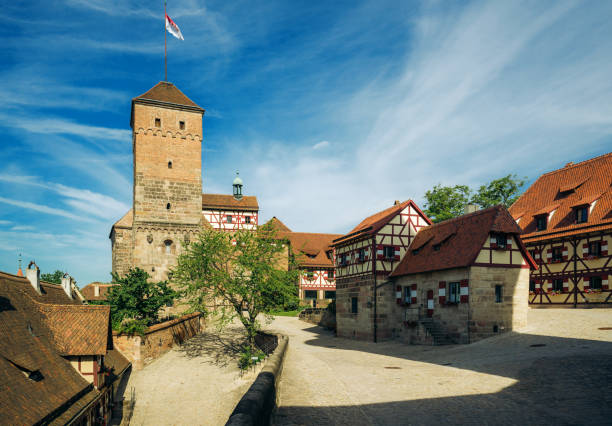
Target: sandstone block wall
{"x": 357, "y": 325}
{"x": 122, "y": 243}
{"x": 158, "y": 339}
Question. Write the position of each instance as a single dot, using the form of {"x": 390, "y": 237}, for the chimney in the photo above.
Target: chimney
{"x": 67, "y": 284}
{"x": 396, "y": 203}
{"x": 33, "y": 275}
{"x": 571, "y": 163}
{"x": 96, "y": 290}
{"x": 470, "y": 208}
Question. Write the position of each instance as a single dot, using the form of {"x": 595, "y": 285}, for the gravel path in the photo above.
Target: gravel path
{"x": 198, "y": 383}
{"x": 556, "y": 371}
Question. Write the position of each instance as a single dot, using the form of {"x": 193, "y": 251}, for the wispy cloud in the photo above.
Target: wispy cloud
{"x": 45, "y": 209}
{"x": 66, "y": 127}
{"x": 22, "y": 228}
{"x": 320, "y": 145}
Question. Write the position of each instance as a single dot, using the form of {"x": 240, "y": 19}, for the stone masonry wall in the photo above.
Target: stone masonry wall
{"x": 158, "y": 339}
{"x": 357, "y": 325}
{"x": 121, "y": 240}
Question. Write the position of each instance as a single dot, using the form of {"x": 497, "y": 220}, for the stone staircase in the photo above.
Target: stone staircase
{"x": 439, "y": 335}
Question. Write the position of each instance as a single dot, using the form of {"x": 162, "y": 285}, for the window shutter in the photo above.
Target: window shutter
{"x": 565, "y": 285}
{"x": 367, "y": 254}
{"x": 604, "y": 248}
{"x": 464, "y": 292}
{"x": 509, "y": 242}
{"x": 430, "y": 303}
{"x": 585, "y": 249}
{"x": 564, "y": 253}
{"x": 379, "y": 252}
{"x": 398, "y": 294}
{"x": 586, "y": 283}
{"x": 442, "y": 292}
{"x": 549, "y": 284}
{"x": 604, "y": 282}
{"x": 396, "y": 252}
{"x": 549, "y": 255}
{"x": 538, "y": 286}
{"x": 413, "y": 293}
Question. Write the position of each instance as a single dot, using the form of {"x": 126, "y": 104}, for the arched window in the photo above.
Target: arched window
{"x": 168, "y": 206}
{"x": 169, "y": 164}
{"x": 168, "y": 245}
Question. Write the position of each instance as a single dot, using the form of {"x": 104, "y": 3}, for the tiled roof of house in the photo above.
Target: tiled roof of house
{"x": 228, "y": 202}
{"x": 309, "y": 248}
{"x": 166, "y": 92}
{"x": 55, "y": 393}
{"x": 54, "y": 293}
{"x": 460, "y": 239}
{"x": 79, "y": 329}
{"x": 562, "y": 190}
{"x": 89, "y": 291}
{"x": 278, "y": 225}
{"x": 372, "y": 224}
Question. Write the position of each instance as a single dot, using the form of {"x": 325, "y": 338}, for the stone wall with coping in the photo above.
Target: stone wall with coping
{"x": 158, "y": 339}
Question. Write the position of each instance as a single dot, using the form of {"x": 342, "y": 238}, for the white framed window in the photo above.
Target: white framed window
{"x": 453, "y": 292}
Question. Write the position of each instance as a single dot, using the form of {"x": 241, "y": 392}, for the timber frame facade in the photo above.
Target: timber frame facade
{"x": 365, "y": 257}
{"x": 566, "y": 218}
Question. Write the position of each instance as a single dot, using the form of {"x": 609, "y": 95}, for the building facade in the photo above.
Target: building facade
{"x": 364, "y": 259}
{"x": 461, "y": 280}
{"x": 566, "y": 220}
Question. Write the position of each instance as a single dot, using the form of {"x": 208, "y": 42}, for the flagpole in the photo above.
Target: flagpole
{"x": 165, "y": 46}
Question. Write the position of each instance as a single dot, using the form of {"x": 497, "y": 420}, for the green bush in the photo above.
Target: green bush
{"x": 249, "y": 357}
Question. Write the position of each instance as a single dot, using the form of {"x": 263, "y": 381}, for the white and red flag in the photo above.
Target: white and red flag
{"x": 173, "y": 29}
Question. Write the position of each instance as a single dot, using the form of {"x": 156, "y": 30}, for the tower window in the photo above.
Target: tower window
{"x": 168, "y": 206}
{"x": 168, "y": 245}
{"x": 182, "y": 125}
{"x": 169, "y": 164}
{"x": 158, "y": 122}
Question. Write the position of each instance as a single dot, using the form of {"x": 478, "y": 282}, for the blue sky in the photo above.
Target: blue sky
{"x": 330, "y": 110}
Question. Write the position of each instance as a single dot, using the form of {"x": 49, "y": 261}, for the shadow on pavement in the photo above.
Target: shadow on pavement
{"x": 214, "y": 347}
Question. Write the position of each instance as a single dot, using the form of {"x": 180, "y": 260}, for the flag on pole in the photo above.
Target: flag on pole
{"x": 173, "y": 29}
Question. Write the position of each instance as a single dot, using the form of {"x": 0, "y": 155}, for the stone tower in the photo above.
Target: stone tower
{"x": 167, "y": 207}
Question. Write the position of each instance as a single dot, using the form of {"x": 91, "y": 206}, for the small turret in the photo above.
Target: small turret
{"x": 237, "y": 187}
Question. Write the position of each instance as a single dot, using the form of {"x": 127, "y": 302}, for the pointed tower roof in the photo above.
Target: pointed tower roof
{"x": 167, "y": 95}
{"x": 20, "y": 272}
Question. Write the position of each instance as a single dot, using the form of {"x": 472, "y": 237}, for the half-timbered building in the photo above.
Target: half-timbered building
{"x": 230, "y": 213}
{"x": 566, "y": 218}
{"x": 364, "y": 259}
{"x": 461, "y": 280}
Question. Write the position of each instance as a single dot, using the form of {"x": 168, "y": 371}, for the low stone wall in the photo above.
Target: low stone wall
{"x": 258, "y": 403}
{"x": 158, "y": 339}
{"x": 319, "y": 316}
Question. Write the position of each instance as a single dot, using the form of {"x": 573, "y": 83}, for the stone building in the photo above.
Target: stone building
{"x": 57, "y": 362}
{"x": 461, "y": 280}
{"x": 315, "y": 258}
{"x": 169, "y": 208}
{"x": 566, "y": 219}
{"x": 364, "y": 259}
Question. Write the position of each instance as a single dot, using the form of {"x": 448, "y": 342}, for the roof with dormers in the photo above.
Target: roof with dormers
{"x": 310, "y": 249}
{"x": 460, "y": 240}
{"x": 372, "y": 224}
{"x": 89, "y": 291}
{"x": 559, "y": 192}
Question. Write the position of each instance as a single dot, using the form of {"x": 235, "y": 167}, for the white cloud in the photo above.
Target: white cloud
{"x": 5, "y": 222}
{"x": 44, "y": 209}
{"x": 66, "y": 127}
{"x": 320, "y": 145}
{"x": 22, "y": 228}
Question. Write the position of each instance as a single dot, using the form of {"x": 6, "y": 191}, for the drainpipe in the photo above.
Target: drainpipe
{"x": 375, "y": 296}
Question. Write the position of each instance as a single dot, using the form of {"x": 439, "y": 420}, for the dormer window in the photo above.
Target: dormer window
{"x": 436, "y": 247}
{"x": 541, "y": 222}
{"x": 500, "y": 240}
{"x": 582, "y": 214}
{"x": 415, "y": 251}
{"x": 158, "y": 122}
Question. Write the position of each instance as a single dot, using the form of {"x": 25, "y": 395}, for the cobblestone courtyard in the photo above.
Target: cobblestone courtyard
{"x": 556, "y": 371}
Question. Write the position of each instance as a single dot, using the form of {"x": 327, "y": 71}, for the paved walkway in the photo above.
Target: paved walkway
{"x": 556, "y": 371}
{"x": 198, "y": 383}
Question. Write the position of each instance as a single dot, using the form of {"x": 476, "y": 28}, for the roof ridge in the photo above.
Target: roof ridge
{"x": 576, "y": 164}
{"x": 463, "y": 216}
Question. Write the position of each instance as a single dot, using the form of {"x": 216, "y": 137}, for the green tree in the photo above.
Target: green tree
{"x": 245, "y": 274}
{"x": 136, "y": 300}
{"x": 55, "y": 277}
{"x": 446, "y": 202}
{"x": 505, "y": 190}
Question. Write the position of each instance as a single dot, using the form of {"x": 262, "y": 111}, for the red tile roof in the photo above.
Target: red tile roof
{"x": 166, "y": 92}
{"x": 310, "y": 248}
{"x": 372, "y": 224}
{"x": 79, "y": 329}
{"x": 26, "y": 345}
{"x": 228, "y": 202}
{"x": 278, "y": 225}
{"x": 563, "y": 189}
{"x": 89, "y": 291}
{"x": 460, "y": 239}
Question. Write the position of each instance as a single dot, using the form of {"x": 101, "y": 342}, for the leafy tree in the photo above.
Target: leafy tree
{"x": 242, "y": 273}
{"x": 137, "y": 300}
{"x": 505, "y": 190}
{"x": 55, "y": 277}
{"x": 446, "y": 202}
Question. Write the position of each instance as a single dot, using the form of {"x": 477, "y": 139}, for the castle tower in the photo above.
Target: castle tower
{"x": 167, "y": 207}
